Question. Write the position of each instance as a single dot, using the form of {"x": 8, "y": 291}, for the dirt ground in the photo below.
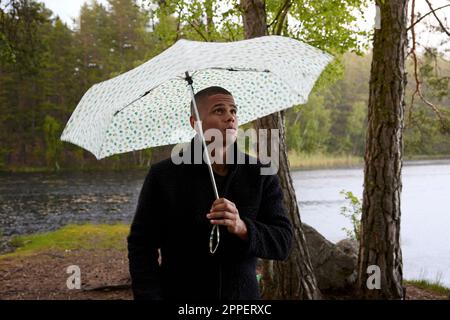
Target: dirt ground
{"x": 104, "y": 276}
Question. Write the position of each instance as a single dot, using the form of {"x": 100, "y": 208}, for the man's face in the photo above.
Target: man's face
{"x": 219, "y": 111}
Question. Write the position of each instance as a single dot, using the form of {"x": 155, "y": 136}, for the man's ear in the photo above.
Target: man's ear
{"x": 192, "y": 121}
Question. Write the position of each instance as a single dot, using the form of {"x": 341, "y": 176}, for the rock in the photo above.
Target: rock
{"x": 348, "y": 246}
{"x": 334, "y": 264}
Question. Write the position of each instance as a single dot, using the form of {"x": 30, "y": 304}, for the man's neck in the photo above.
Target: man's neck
{"x": 220, "y": 169}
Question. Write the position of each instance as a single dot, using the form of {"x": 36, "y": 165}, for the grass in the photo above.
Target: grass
{"x": 322, "y": 160}
{"x": 25, "y": 169}
{"x": 72, "y": 237}
{"x": 435, "y": 287}
{"x": 426, "y": 157}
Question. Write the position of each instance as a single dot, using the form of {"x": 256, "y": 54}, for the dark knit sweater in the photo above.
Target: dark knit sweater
{"x": 171, "y": 215}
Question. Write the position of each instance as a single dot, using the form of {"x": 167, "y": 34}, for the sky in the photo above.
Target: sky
{"x": 69, "y": 9}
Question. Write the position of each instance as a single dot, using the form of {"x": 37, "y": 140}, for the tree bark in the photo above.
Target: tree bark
{"x": 209, "y": 17}
{"x": 294, "y": 278}
{"x": 380, "y": 224}
{"x": 254, "y": 18}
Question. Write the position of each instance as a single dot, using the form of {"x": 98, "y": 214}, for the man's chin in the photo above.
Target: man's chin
{"x": 230, "y": 139}
{"x": 230, "y": 133}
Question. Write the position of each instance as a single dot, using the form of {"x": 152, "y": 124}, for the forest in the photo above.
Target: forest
{"x": 46, "y": 66}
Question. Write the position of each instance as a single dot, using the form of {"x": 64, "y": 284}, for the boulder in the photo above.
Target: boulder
{"x": 335, "y": 265}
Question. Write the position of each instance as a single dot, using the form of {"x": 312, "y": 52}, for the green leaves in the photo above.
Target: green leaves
{"x": 352, "y": 212}
{"x": 328, "y": 25}
{"x": 310, "y": 130}
{"x": 6, "y": 51}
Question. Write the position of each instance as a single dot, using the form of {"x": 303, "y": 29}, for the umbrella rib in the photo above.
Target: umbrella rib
{"x": 240, "y": 69}
{"x": 139, "y": 98}
{"x": 219, "y": 68}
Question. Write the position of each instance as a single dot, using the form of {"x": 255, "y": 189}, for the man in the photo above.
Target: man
{"x": 177, "y": 210}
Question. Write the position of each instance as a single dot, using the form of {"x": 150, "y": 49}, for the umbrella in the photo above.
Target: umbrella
{"x": 149, "y": 105}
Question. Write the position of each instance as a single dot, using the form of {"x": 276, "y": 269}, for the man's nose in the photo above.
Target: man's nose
{"x": 230, "y": 116}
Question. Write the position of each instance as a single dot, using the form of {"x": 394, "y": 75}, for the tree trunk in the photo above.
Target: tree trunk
{"x": 254, "y": 18}
{"x": 380, "y": 224}
{"x": 209, "y": 11}
{"x": 294, "y": 278}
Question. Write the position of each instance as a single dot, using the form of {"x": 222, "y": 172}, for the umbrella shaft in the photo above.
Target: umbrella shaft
{"x": 200, "y": 131}
{"x": 215, "y": 230}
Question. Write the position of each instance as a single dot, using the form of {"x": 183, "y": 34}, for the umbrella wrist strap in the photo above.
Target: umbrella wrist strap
{"x": 215, "y": 230}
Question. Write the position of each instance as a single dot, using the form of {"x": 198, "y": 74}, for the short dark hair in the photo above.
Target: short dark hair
{"x": 210, "y": 91}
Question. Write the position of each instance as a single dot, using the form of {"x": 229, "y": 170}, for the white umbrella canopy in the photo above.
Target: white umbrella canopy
{"x": 150, "y": 105}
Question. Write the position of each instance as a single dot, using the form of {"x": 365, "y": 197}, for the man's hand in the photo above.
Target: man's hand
{"x": 224, "y": 212}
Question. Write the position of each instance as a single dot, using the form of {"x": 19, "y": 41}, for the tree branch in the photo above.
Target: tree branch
{"x": 198, "y": 31}
{"x": 425, "y": 15}
{"x": 437, "y": 18}
{"x": 277, "y": 15}
{"x": 233, "y": 38}
{"x": 193, "y": 26}
{"x": 178, "y": 25}
{"x": 413, "y": 52}
{"x": 418, "y": 89}
{"x": 280, "y": 22}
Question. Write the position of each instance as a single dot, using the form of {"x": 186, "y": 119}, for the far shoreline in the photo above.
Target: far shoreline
{"x": 298, "y": 162}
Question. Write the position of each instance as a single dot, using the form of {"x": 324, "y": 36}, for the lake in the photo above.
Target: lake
{"x": 37, "y": 202}
{"x": 425, "y": 222}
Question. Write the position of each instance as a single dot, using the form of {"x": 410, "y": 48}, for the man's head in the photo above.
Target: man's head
{"x": 218, "y": 110}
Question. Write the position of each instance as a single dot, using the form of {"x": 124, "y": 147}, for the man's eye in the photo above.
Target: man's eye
{"x": 233, "y": 111}
{"x": 218, "y": 111}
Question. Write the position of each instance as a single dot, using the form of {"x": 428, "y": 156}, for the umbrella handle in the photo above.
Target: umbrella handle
{"x": 215, "y": 228}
